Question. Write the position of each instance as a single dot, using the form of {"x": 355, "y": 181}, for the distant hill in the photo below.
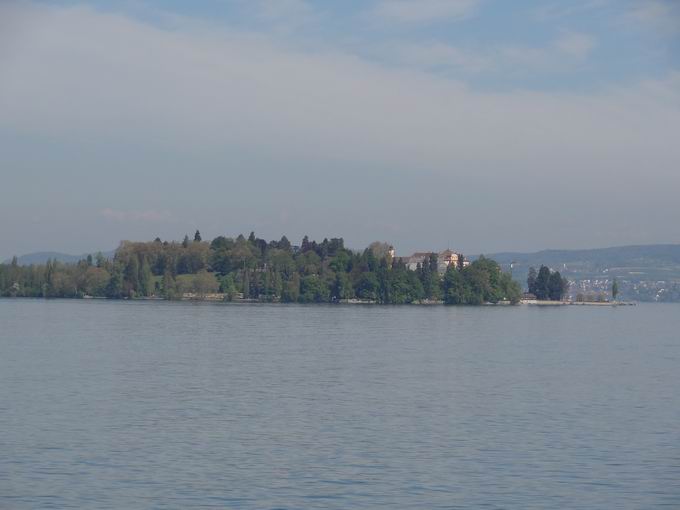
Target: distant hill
{"x": 42, "y": 257}
{"x": 640, "y": 262}
{"x": 646, "y": 272}
{"x": 664, "y": 254}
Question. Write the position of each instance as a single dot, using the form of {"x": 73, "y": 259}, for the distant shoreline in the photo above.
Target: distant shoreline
{"x": 351, "y": 302}
{"x": 579, "y": 303}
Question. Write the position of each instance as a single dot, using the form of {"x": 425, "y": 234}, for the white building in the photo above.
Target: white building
{"x": 444, "y": 260}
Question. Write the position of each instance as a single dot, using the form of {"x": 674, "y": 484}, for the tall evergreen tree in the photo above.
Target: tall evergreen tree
{"x": 306, "y": 245}
{"x": 114, "y": 289}
{"x": 542, "y": 289}
{"x": 49, "y": 283}
{"x": 145, "y": 278}
{"x": 461, "y": 261}
{"x": 169, "y": 286}
{"x": 556, "y": 289}
{"x": 615, "y": 289}
{"x": 284, "y": 244}
{"x": 132, "y": 274}
{"x": 531, "y": 280}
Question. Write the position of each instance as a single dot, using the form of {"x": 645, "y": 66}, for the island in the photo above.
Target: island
{"x": 255, "y": 270}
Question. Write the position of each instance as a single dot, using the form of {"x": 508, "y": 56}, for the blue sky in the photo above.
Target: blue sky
{"x": 484, "y": 125}
{"x": 491, "y": 44}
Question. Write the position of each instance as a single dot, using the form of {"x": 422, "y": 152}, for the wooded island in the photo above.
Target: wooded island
{"x": 256, "y": 270}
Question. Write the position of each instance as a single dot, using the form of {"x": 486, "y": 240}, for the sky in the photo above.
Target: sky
{"x": 476, "y": 125}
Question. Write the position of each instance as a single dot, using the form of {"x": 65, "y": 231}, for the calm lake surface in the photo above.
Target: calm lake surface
{"x": 196, "y": 405}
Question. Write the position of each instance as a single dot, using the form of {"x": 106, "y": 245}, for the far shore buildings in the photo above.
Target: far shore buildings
{"x": 444, "y": 260}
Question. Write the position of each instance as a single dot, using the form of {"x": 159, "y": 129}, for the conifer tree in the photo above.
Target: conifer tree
{"x": 531, "y": 280}
{"x": 615, "y": 289}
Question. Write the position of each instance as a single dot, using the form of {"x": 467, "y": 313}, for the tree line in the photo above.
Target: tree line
{"x": 547, "y": 285}
{"x": 255, "y": 269}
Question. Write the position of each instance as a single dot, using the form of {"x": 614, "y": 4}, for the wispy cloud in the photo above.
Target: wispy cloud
{"x": 663, "y": 16}
{"x": 241, "y": 120}
{"x": 284, "y": 15}
{"x": 575, "y": 44}
{"x": 424, "y": 11}
{"x": 256, "y": 96}
{"x": 563, "y": 53}
{"x": 561, "y": 9}
{"x": 274, "y": 9}
{"x": 438, "y": 55}
{"x": 151, "y": 216}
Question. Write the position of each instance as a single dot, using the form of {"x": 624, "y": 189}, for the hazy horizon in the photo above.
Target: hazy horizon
{"x": 470, "y": 124}
{"x": 349, "y": 246}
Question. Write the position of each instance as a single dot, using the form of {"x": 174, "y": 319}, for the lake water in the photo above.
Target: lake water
{"x": 196, "y": 405}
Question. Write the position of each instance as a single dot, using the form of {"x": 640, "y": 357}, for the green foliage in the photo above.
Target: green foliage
{"x": 131, "y": 283}
{"x": 615, "y": 289}
{"x": 542, "y": 289}
{"x": 268, "y": 271}
{"x": 342, "y": 287}
{"x": 546, "y": 284}
{"x": 531, "y": 280}
{"x": 555, "y": 290}
{"x": 368, "y": 286}
{"x": 245, "y": 285}
{"x": 456, "y": 291}
{"x": 430, "y": 280}
{"x": 404, "y": 287}
{"x": 169, "y": 287}
{"x": 291, "y": 289}
{"x": 203, "y": 283}
{"x": 313, "y": 290}
{"x": 145, "y": 279}
{"x": 114, "y": 289}
{"x": 228, "y": 287}
{"x": 511, "y": 289}
{"x": 480, "y": 282}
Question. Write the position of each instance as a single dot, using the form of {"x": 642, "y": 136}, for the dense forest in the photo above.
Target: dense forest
{"x": 254, "y": 269}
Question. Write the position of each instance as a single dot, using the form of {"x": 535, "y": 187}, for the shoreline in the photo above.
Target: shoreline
{"x": 216, "y": 298}
{"x": 578, "y": 303}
